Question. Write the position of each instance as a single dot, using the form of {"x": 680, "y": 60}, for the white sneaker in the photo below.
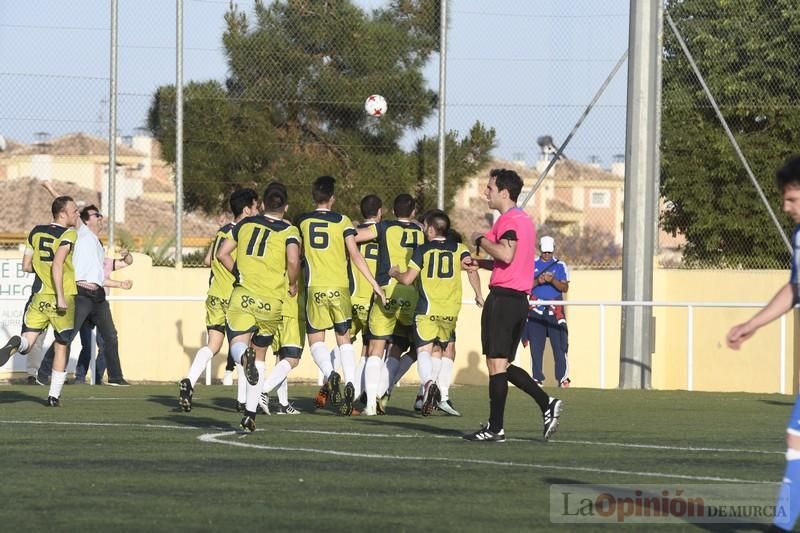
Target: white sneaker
{"x": 372, "y": 408}
{"x": 447, "y": 407}
{"x": 263, "y": 403}
{"x": 228, "y": 378}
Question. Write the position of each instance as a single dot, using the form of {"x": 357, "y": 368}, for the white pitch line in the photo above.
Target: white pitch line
{"x": 408, "y": 436}
{"x": 557, "y": 441}
{"x": 215, "y": 438}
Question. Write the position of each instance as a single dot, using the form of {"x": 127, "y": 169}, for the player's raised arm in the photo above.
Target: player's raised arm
{"x": 224, "y": 254}
{"x": 361, "y": 265}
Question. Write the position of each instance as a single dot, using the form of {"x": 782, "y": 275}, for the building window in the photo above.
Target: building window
{"x": 599, "y": 198}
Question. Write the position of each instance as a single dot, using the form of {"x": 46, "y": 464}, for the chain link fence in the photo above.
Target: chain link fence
{"x": 275, "y": 91}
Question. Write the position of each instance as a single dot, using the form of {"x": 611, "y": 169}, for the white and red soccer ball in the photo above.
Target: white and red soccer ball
{"x": 375, "y": 105}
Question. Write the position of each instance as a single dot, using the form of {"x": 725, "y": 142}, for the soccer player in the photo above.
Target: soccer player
{"x": 397, "y": 240}
{"x": 287, "y": 345}
{"x": 328, "y": 241}
{"x": 361, "y": 295}
{"x": 243, "y": 203}
{"x": 437, "y": 265}
{"x": 267, "y": 258}
{"x": 788, "y": 182}
{"x": 48, "y": 254}
{"x": 511, "y": 242}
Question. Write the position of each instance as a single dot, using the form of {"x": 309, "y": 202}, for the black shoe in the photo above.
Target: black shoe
{"x": 117, "y": 382}
{"x": 249, "y": 366}
{"x": 31, "y": 380}
{"x": 11, "y": 347}
{"x": 485, "y": 435}
{"x": 52, "y": 401}
{"x": 239, "y": 407}
{"x": 43, "y": 381}
{"x": 430, "y": 398}
{"x": 349, "y": 397}
{"x": 551, "y": 417}
{"x": 248, "y": 424}
{"x": 185, "y": 393}
{"x": 335, "y": 388}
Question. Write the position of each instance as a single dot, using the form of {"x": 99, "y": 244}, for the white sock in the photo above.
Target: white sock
{"x": 424, "y": 366}
{"x": 383, "y": 382}
{"x": 445, "y": 378}
{"x": 348, "y": 358}
{"x": 405, "y": 363}
{"x": 336, "y": 357}
{"x": 358, "y": 384}
{"x": 277, "y": 376}
{"x": 201, "y": 359}
{"x": 241, "y": 385}
{"x": 254, "y": 391}
{"x": 323, "y": 359}
{"x": 23, "y": 346}
{"x": 283, "y": 392}
{"x": 436, "y": 367}
{"x": 236, "y": 352}
{"x": 57, "y": 383}
{"x": 372, "y": 375}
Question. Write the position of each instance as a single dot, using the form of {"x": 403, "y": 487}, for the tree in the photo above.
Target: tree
{"x": 749, "y": 53}
{"x": 292, "y": 106}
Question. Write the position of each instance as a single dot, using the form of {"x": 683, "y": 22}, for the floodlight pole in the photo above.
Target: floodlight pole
{"x": 112, "y": 129}
{"x": 179, "y": 135}
{"x": 442, "y": 101}
{"x": 641, "y": 191}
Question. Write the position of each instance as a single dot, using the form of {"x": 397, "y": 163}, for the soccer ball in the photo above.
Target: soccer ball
{"x": 375, "y": 105}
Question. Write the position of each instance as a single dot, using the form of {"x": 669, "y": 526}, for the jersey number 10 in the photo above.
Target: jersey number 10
{"x": 443, "y": 265}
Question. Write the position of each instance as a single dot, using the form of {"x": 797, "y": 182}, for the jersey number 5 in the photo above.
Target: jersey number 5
{"x": 45, "y": 246}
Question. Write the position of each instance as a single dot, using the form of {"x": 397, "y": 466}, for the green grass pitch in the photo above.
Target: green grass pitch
{"x": 127, "y": 459}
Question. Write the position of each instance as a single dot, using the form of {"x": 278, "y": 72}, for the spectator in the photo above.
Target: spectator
{"x": 550, "y": 282}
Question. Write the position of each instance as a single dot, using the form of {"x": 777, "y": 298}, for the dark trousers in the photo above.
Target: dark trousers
{"x": 85, "y": 356}
{"x": 99, "y": 314}
{"x": 538, "y": 331}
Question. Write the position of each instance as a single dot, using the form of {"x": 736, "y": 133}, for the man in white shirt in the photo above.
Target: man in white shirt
{"x": 90, "y": 303}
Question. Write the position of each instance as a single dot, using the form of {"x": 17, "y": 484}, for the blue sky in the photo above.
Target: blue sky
{"x": 525, "y": 67}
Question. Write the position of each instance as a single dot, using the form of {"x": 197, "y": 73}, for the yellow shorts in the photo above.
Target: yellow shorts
{"x": 250, "y": 314}
{"x": 328, "y": 308}
{"x": 399, "y": 310}
{"x": 290, "y": 339}
{"x": 216, "y": 309}
{"x": 434, "y": 329}
{"x": 360, "y": 319}
{"x": 40, "y": 312}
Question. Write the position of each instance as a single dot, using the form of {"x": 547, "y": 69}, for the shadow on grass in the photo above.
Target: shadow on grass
{"x": 776, "y": 402}
{"x": 419, "y": 425}
{"x": 20, "y": 397}
{"x": 199, "y": 422}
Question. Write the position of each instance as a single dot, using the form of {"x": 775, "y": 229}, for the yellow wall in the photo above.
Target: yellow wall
{"x": 159, "y": 339}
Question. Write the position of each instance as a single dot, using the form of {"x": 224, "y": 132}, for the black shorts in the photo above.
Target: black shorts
{"x": 502, "y": 322}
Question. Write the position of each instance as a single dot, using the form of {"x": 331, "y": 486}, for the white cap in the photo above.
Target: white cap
{"x": 547, "y": 244}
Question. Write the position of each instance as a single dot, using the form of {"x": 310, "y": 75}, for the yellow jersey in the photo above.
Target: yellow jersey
{"x": 361, "y": 290}
{"x": 43, "y": 241}
{"x": 220, "y": 281}
{"x": 397, "y": 240}
{"x": 326, "y": 263}
{"x": 261, "y": 243}
{"x": 439, "y": 281}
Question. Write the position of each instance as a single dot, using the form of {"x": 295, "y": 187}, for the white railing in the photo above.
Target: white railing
{"x": 601, "y": 304}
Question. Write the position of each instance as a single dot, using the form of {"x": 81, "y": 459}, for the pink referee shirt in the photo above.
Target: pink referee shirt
{"x": 517, "y": 275}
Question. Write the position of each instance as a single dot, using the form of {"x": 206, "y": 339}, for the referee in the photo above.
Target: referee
{"x": 511, "y": 243}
